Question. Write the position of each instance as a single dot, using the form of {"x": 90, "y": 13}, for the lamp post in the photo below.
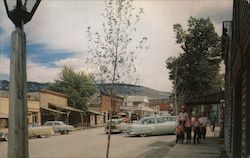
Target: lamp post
{"x": 20, "y": 12}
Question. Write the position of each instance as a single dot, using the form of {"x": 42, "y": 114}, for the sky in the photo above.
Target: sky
{"x": 56, "y": 35}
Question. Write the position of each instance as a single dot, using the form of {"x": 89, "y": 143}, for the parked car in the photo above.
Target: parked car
{"x": 152, "y": 126}
{"x": 59, "y": 127}
{"x": 38, "y": 131}
{"x": 117, "y": 126}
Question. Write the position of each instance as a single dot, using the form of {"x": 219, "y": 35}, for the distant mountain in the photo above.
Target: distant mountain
{"x": 121, "y": 89}
{"x": 129, "y": 89}
{"x": 31, "y": 86}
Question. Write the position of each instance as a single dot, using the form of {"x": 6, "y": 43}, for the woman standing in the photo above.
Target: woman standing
{"x": 196, "y": 130}
{"x": 188, "y": 129}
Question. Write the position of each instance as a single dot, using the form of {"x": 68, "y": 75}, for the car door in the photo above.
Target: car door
{"x": 154, "y": 124}
{"x": 161, "y": 126}
{"x": 56, "y": 126}
{"x": 171, "y": 125}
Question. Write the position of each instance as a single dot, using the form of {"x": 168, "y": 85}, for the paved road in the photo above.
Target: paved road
{"x": 91, "y": 143}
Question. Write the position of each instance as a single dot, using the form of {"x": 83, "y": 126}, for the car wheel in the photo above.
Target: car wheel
{"x": 143, "y": 135}
{"x": 65, "y": 132}
{"x": 39, "y": 136}
{"x": 6, "y": 137}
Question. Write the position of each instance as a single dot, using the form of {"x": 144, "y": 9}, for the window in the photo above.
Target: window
{"x": 57, "y": 123}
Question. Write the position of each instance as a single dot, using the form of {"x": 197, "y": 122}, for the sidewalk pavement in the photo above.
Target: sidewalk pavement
{"x": 208, "y": 148}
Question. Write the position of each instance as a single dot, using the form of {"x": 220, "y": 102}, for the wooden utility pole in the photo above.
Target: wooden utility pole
{"x": 18, "y": 130}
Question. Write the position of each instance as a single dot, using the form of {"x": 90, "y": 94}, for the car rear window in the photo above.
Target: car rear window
{"x": 48, "y": 124}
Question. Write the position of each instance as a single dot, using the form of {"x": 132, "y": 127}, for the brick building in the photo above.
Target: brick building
{"x": 100, "y": 104}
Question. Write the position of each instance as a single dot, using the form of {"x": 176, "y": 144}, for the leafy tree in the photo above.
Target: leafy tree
{"x": 77, "y": 86}
{"x": 195, "y": 71}
{"x": 114, "y": 50}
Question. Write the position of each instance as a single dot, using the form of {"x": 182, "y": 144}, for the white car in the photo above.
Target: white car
{"x": 117, "y": 126}
{"x": 59, "y": 127}
{"x": 38, "y": 131}
{"x": 152, "y": 126}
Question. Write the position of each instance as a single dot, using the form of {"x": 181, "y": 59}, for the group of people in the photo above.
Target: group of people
{"x": 198, "y": 125}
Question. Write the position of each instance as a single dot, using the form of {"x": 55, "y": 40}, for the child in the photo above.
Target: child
{"x": 196, "y": 130}
{"x": 180, "y": 132}
{"x": 188, "y": 129}
{"x": 203, "y": 124}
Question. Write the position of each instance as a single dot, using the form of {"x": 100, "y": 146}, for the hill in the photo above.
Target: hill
{"x": 129, "y": 89}
{"x": 121, "y": 89}
{"x": 31, "y": 86}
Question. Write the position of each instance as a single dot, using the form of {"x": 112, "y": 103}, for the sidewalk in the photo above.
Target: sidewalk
{"x": 208, "y": 148}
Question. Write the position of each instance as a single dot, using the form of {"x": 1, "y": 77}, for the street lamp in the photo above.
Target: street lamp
{"x": 20, "y": 12}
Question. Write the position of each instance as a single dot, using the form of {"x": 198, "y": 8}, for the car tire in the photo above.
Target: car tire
{"x": 65, "y": 132}
{"x": 6, "y": 137}
{"x": 143, "y": 135}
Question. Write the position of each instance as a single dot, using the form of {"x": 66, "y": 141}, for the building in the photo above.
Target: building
{"x": 165, "y": 106}
{"x": 54, "y": 106}
{"x": 137, "y": 106}
{"x": 236, "y": 51}
{"x": 34, "y": 117}
{"x": 99, "y": 106}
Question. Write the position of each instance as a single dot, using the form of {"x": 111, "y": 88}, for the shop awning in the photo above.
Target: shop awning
{"x": 214, "y": 98}
{"x": 94, "y": 112}
{"x": 52, "y": 110}
{"x": 67, "y": 108}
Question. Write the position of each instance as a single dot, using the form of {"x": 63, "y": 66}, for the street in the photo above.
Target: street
{"x": 92, "y": 143}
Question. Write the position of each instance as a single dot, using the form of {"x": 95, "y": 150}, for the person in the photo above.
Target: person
{"x": 183, "y": 115}
{"x": 188, "y": 129}
{"x": 180, "y": 132}
{"x": 203, "y": 124}
{"x": 125, "y": 119}
{"x": 196, "y": 130}
{"x": 212, "y": 119}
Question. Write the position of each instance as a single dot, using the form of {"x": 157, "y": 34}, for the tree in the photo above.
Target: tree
{"x": 195, "y": 71}
{"x": 113, "y": 52}
{"x": 77, "y": 86}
